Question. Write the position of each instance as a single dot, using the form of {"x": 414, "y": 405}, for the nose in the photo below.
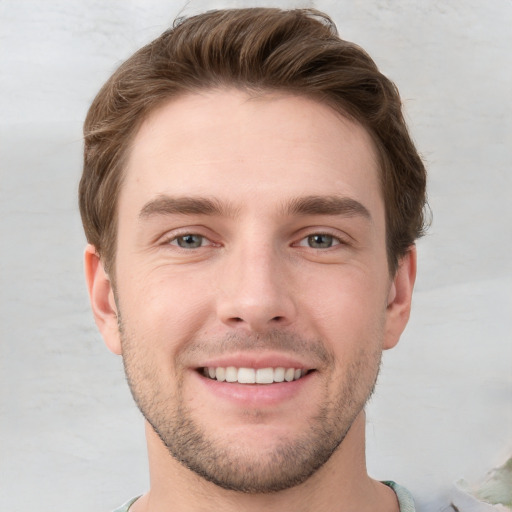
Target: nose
{"x": 256, "y": 290}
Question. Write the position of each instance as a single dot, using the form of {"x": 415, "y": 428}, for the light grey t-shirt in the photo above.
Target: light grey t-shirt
{"x": 404, "y": 499}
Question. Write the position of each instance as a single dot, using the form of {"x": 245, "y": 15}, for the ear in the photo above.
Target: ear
{"x": 101, "y": 295}
{"x": 399, "y": 298}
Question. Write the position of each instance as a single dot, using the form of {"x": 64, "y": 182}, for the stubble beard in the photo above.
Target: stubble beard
{"x": 228, "y": 464}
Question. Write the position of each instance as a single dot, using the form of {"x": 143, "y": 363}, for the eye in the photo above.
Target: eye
{"x": 319, "y": 241}
{"x": 189, "y": 241}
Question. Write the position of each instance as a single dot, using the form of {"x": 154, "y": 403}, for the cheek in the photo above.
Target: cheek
{"x": 346, "y": 296}
{"x": 165, "y": 311}
{"x": 348, "y": 311}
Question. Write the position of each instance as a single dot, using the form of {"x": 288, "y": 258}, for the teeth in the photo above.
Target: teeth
{"x": 253, "y": 376}
{"x": 246, "y": 376}
{"x": 263, "y": 375}
{"x": 289, "y": 375}
{"x": 279, "y": 374}
{"x": 231, "y": 374}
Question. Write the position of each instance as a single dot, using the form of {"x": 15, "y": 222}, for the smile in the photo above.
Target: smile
{"x": 252, "y": 375}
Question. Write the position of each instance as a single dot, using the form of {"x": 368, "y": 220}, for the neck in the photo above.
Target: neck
{"x": 341, "y": 484}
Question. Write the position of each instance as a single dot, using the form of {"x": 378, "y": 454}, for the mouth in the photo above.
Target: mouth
{"x": 242, "y": 375}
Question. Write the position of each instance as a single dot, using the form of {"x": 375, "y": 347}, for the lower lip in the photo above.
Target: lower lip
{"x": 255, "y": 395}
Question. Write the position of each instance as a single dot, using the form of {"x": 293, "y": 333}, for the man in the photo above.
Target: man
{"x": 251, "y": 198}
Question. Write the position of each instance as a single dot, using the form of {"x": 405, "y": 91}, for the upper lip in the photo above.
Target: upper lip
{"x": 256, "y": 361}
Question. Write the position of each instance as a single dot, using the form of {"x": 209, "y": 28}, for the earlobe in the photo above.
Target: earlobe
{"x": 101, "y": 295}
{"x": 399, "y": 298}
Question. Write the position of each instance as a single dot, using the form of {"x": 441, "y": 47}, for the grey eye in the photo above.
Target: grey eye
{"x": 320, "y": 241}
{"x": 189, "y": 241}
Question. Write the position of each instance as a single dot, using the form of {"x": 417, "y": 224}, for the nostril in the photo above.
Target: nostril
{"x": 256, "y": 322}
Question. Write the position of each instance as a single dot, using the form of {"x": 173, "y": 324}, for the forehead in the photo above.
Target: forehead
{"x": 230, "y": 145}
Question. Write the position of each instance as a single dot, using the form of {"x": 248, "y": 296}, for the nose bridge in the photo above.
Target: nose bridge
{"x": 255, "y": 293}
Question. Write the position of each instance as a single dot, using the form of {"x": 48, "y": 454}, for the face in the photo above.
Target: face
{"x": 253, "y": 297}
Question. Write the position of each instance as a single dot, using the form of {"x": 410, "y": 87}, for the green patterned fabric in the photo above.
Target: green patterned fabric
{"x": 404, "y": 499}
{"x": 127, "y": 505}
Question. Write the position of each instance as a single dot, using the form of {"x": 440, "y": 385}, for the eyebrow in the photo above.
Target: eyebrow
{"x": 327, "y": 205}
{"x": 167, "y": 205}
{"x": 308, "y": 205}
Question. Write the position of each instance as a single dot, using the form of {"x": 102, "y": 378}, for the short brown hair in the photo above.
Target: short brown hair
{"x": 296, "y": 51}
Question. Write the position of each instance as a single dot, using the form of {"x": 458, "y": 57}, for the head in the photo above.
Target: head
{"x": 256, "y": 50}
{"x": 251, "y": 198}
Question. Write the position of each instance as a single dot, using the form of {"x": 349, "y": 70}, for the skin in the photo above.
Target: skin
{"x": 282, "y": 173}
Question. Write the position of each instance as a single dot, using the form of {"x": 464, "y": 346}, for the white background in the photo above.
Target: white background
{"x": 70, "y": 438}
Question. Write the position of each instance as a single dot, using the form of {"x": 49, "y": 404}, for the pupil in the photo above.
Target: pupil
{"x": 320, "y": 241}
{"x": 190, "y": 241}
